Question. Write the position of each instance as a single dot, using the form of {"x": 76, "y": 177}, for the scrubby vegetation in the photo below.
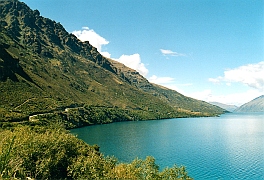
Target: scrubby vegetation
{"x": 53, "y": 153}
{"x": 85, "y": 115}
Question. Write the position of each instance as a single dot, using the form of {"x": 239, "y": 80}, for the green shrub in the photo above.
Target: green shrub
{"x": 7, "y": 166}
{"x": 53, "y": 153}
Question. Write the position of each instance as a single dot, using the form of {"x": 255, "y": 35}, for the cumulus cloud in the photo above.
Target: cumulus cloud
{"x": 160, "y": 80}
{"x": 106, "y": 54}
{"x": 169, "y": 82}
{"x": 166, "y": 52}
{"x": 251, "y": 75}
{"x": 133, "y": 61}
{"x": 94, "y": 39}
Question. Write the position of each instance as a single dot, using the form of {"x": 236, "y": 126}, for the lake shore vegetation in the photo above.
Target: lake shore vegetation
{"x": 52, "y": 152}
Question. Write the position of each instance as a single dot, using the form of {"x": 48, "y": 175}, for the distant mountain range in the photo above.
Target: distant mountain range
{"x": 229, "y": 108}
{"x": 256, "y": 105}
{"x": 47, "y": 73}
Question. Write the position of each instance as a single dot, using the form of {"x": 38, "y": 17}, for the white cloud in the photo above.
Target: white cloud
{"x": 168, "y": 82}
{"x": 133, "y": 61}
{"x": 170, "y": 53}
{"x": 207, "y": 95}
{"x": 231, "y": 99}
{"x": 251, "y": 75}
{"x": 106, "y": 54}
{"x": 94, "y": 39}
{"x": 160, "y": 80}
{"x": 215, "y": 80}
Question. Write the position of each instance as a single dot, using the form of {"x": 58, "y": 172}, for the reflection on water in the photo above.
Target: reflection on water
{"x": 228, "y": 147}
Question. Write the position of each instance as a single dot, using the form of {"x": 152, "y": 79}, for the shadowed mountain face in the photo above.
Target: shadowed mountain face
{"x": 256, "y": 105}
{"x": 45, "y": 69}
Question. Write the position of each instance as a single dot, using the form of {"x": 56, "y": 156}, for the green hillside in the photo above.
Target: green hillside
{"x": 46, "y": 71}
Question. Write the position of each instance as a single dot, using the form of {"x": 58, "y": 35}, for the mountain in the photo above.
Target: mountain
{"x": 227, "y": 107}
{"x": 255, "y": 105}
{"x": 48, "y": 74}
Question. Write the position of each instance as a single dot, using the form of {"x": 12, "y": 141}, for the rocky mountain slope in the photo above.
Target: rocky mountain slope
{"x": 256, "y": 105}
{"x": 47, "y": 72}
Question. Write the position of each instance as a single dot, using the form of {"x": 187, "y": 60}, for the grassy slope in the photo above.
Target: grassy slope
{"x": 46, "y": 69}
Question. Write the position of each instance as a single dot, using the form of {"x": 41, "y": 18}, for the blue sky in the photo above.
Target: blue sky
{"x": 211, "y": 50}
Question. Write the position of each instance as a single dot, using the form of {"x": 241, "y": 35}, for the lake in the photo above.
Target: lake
{"x": 227, "y": 147}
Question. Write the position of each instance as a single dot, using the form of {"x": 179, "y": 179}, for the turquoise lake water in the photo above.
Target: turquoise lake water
{"x": 227, "y": 147}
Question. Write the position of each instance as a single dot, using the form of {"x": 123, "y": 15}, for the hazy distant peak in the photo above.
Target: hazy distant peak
{"x": 255, "y": 105}
{"x": 227, "y": 107}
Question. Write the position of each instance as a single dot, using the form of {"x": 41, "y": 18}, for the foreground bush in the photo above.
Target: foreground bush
{"x": 54, "y": 153}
